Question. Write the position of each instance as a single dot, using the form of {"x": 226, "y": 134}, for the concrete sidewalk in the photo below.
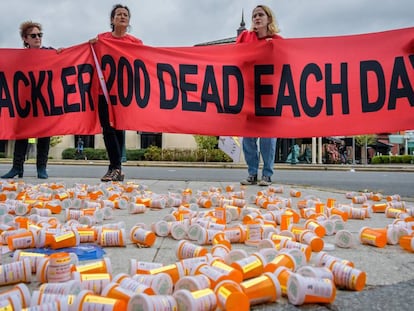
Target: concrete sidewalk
{"x": 241, "y": 165}
{"x": 389, "y": 270}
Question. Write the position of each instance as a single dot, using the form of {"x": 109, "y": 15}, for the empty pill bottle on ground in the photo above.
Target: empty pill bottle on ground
{"x": 262, "y": 289}
{"x": 161, "y": 283}
{"x": 250, "y": 266}
{"x": 21, "y": 291}
{"x": 88, "y": 301}
{"x": 193, "y": 283}
{"x": 230, "y": 296}
{"x": 302, "y": 289}
{"x": 348, "y": 277}
{"x": 175, "y": 271}
{"x": 372, "y": 237}
{"x": 146, "y": 302}
{"x": 407, "y": 242}
{"x": 186, "y": 249}
{"x": 204, "y": 299}
{"x": 100, "y": 266}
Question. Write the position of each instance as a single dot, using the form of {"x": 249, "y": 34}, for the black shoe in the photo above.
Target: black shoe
{"x": 250, "y": 180}
{"x": 266, "y": 181}
{"x": 113, "y": 175}
{"x": 116, "y": 175}
{"x": 41, "y": 173}
{"x": 13, "y": 173}
{"x": 107, "y": 176}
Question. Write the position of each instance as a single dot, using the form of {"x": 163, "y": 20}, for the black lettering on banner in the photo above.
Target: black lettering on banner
{"x": 336, "y": 88}
{"x": 107, "y": 60}
{"x": 315, "y": 109}
{"x": 69, "y": 88}
{"x": 373, "y": 67}
{"x": 54, "y": 111}
{"x": 125, "y": 75}
{"x": 262, "y": 89}
{"x": 400, "y": 75}
{"x": 37, "y": 95}
{"x": 85, "y": 74}
{"x": 289, "y": 99}
{"x": 168, "y": 70}
{"x": 186, "y": 87}
{"x": 213, "y": 97}
{"x": 232, "y": 71}
{"x": 21, "y": 111}
{"x": 139, "y": 67}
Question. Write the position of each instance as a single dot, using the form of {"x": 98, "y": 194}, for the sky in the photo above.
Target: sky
{"x": 188, "y": 22}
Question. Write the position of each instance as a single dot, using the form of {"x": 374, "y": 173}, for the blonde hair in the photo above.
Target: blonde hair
{"x": 25, "y": 27}
{"x": 272, "y": 27}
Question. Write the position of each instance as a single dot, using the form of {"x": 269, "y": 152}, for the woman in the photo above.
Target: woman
{"x": 114, "y": 139}
{"x": 263, "y": 28}
{"x": 31, "y": 34}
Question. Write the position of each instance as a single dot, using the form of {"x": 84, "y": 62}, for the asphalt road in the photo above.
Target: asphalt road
{"x": 344, "y": 180}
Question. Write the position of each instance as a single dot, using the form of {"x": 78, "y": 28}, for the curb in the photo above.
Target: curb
{"x": 278, "y": 166}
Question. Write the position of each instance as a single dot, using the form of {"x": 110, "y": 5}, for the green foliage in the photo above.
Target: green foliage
{"x": 369, "y": 139}
{"x": 206, "y": 142}
{"x": 153, "y": 153}
{"x": 95, "y": 154}
{"x": 135, "y": 154}
{"x": 376, "y": 160}
{"x": 218, "y": 155}
{"x": 2, "y": 155}
{"x": 89, "y": 153}
{"x": 385, "y": 159}
{"x": 407, "y": 159}
{"x": 395, "y": 159}
{"x": 186, "y": 155}
{"x": 68, "y": 153}
{"x": 55, "y": 140}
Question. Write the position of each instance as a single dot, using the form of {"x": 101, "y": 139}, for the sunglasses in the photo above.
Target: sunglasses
{"x": 34, "y": 35}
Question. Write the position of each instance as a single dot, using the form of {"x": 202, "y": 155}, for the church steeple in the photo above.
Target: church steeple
{"x": 242, "y": 25}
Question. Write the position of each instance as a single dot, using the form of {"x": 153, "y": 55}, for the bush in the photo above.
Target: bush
{"x": 206, "y": 142}
{"x": 396, "y": 159}
{"x": 2, "y": 155}
{"x": 217, "y": 155}
{"x": 407, "y": 159}
{"x": 95, "y": 154}
{"x": 69, "y": 153}
{"x": 385, "y": 159}
{"x": 135, "y": 154}
{"x": 186, "y": 155}
{"x": 89, "y": 153}
{"x": 376, "y": 160}
{"x": 153, "y": 153}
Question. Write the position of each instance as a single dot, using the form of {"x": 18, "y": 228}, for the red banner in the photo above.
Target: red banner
{"x": 346, "y": 85}
{"x": 43, "y": 93}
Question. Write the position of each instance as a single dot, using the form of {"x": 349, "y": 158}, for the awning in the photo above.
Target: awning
{"x": 384, "y": 142}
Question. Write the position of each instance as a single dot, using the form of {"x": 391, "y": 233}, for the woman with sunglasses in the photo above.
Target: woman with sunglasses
{"x": 113, "y": 138}
{"x": 31, "y": 34}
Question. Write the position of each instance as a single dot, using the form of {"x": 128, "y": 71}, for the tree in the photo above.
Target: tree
{"x": 55, "y": 140}
{"x": 206, "y": 142}
{"x": 364, "y": 141}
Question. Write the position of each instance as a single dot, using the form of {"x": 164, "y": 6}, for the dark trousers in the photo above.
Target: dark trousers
{"x": 114, "y": 139}
{"x": 20, "y": 149}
